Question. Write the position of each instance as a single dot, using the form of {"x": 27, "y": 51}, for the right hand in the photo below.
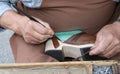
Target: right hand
{"x": 31, "y": 31}
{"x": 34, "y": 32}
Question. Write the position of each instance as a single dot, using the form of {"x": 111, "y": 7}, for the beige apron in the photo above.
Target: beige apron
{"x": 64, "y": 15}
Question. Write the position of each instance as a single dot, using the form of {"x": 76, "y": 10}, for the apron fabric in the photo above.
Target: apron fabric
{"x": 66, "y": 15}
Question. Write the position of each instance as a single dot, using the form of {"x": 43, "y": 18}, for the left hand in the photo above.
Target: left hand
{"x": 108, "y": 41}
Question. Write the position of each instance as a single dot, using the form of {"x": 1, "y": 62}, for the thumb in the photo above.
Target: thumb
{"x": 94, "y": 51}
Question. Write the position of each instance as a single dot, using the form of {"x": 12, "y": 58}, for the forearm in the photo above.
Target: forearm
{"x": 6, "y": 20}
{"x": 4, "y": 6}
{"x": 11, "y": 20}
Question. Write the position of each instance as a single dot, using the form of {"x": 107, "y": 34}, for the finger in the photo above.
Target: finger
{"x": 99, "y": 38}
{"x": 40, "y": 37}
{"x": 50, "y": 30}
{"x": 100, "y": 45}
{"x": 42, "y": 30}
{"x": 115, "y": 42}
{"x": 39, "y": 28}
{"x": 29, "y": 37}
{"x": 110, "y": 47}
{"x": 31, "y": 40}
{"x": 113, "y": 52}
{"x": 47, "y": 26}
{"x": 34, "y": 37}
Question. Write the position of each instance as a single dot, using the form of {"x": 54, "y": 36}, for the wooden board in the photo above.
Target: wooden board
{"x": 94, "y": 67}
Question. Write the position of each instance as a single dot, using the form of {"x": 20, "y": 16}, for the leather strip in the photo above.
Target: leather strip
{"x": 55, "y": 41}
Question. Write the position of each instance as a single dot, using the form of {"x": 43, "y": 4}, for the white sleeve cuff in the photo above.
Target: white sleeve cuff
{"x": 33, "y": 3}
{"x": 4, "y": 7}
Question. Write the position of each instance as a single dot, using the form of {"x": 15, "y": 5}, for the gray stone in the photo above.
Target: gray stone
{"x": 6, "y": 55}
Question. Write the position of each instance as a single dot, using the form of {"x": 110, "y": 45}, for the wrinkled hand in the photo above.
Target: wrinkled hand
{"x": 108, "y": 41}
{"x": 31, "y": 31}
{"x": 34, "y": 32}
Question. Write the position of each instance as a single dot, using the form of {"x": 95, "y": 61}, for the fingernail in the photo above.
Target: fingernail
{"x": 91, "y": 53}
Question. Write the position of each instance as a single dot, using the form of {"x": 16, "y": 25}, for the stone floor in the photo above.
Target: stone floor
{"x": 6, "y": 55}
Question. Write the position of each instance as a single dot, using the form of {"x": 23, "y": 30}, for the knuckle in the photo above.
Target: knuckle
{"x": 45, "y": 31}
{"x": 30, "y": 24}
{"x": 110, "y": 37}
{"x": 47, "y": 25}
{"x": 26, "y": 32}
{"x": 101, "y": 51}
{"x": 27, "y": 39}
{"x": 42, "y": 38}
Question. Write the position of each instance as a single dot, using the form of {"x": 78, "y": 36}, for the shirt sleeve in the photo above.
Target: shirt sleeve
{"x": 33, "y": 3}
{"x": 4, "y": 6}
{"x": 1, "y": 29}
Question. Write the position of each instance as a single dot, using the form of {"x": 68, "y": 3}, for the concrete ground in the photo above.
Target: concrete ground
{"x": 6, "y": 55}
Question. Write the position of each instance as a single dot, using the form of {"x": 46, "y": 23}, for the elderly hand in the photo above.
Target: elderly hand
{"x": 108, "y": 41}
{"x": 31, "y": 31}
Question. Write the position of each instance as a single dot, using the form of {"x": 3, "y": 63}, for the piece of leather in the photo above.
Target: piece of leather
{"x": 71, "y": 47}
{"x": 81, "y": 39}
{"x": 74, "y": 52}
{"x": 77, "y": 39}
{"x": 55, "y": 41}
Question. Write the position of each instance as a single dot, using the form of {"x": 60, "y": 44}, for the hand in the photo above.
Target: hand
{"x": 31, "y": 31}
{"x": 34, "y": 32}
{"x": 108, "y": 41}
